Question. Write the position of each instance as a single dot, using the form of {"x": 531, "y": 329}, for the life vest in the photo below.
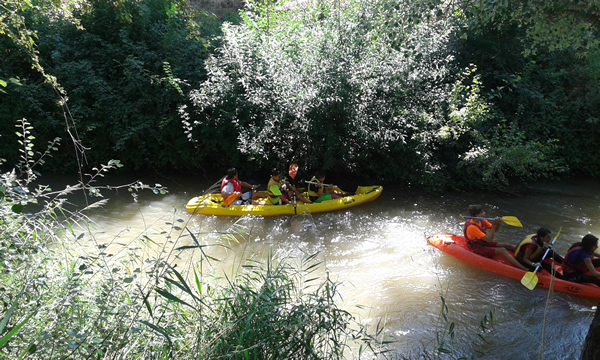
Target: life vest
{"x": 312, "y": 188}
{"x": 570, "y": 268}
{"x": 274, "y": 191}
{"x": 237, "y": 186}
{"x": 530, "y": 239}
{"x": 480, "y": 225}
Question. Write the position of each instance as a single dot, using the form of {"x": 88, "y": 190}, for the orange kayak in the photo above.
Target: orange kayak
{"x": 455, "y": 245}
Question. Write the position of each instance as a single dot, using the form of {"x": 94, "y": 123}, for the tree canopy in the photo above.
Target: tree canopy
{"x": 429, "y": 93}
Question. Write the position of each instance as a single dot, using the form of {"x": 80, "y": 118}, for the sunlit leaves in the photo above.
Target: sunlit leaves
{"x": 337, "y": 82}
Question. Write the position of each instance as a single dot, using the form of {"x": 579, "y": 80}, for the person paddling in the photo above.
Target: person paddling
{"x": 532, "y": 249}
{"x": 579, "y": 264}
{"x": 231, "y": 184}
{"x": 318, "y": 192}
{"x": 281, "y": 193}
{"x": 482, "y": 243}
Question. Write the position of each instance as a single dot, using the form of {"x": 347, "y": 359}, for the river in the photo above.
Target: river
{"x": 379, "y": 253}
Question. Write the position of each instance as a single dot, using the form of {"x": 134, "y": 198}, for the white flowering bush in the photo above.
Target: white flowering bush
{"x": 348, "y": 85}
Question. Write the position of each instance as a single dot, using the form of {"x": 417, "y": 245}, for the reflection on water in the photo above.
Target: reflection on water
{"x": 378, "y": 251}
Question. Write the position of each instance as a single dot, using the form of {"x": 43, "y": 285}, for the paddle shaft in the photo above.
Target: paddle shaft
{"x": 547, "y": 251}
{"x": 479, "y": 218}
{"x": 293, "y": 171}
{"x": 316, "y": 183}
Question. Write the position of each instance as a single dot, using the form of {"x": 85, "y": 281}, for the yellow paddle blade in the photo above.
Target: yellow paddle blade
{"x": 512, "y": 220}
{"x": 530, "y": 280}
{"x": 558, "y": 233}
{"x": 231, "y": 198}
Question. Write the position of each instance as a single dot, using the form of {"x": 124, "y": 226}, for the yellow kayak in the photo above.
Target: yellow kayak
{"x": 212, "y": 204}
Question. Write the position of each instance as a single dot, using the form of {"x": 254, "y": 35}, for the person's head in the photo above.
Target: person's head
{"x": 276, "y": 174}
{"x": 589, "y": 243}
{"x": 231, "y": 173}
{"x": 476, "y": 211}
{"x": 320, "y": 175}
{"x": 543, "y": 235}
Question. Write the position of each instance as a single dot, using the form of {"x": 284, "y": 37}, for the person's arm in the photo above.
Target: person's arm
{"x": 489, "y": 237}
{"x": 527, "y": 260}
{"x": 588, "y": 263}
{"x": 290, "y": 186}
{"x": 496, "y": 223}
{"x": 320, "y": 189}
{"x": 248, "y": 185}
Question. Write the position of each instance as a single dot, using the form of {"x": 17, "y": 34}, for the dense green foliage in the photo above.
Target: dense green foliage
{"x": 426, "y": 92}
{"x": 117, "y": 66}
{"x": 539, "y": 62}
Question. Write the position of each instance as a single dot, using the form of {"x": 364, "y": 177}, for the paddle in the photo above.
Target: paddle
{"x": 231, "y": 198}
{"x": 316, "y": 183}
{"x": 509, "y": 220}
{"x": 293, "y": 171}
{"x": 530, "y": 279}
{"x": 335, "y": 187}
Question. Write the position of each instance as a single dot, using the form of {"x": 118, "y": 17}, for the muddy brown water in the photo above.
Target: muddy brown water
{"x": 379, "y": 254}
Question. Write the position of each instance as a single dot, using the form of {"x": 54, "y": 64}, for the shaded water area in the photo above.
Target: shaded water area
{"x": 379, "y": 253}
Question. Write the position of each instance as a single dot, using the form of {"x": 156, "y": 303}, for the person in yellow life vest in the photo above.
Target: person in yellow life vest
{"x": 319, "y": 192}
{"x": 532, "y": 249}
{"x": 280, "y": 192}
{"x": 482, "y": 243}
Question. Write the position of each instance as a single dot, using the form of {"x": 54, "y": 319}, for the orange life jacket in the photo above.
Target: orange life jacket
{"x": 480, "y": 225}
{"x": 237, "y": 186}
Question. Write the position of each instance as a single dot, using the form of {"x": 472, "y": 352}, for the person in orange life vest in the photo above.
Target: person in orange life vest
{"x": 579, "y": 265}
{"x": 483, "y": 243}
{"x": 532, "y": 249}
{"x": 232, "y": 184}
{"x": 281, "y": 192}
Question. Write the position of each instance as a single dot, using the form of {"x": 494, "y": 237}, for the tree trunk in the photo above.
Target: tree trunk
{"x": 591, "y": 346}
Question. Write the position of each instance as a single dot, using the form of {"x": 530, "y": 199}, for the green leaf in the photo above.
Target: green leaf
{"x": 30, "y": 350}
{"x": 186, "y": 288}
{"x": 3, "y": 83}
{"x": 158, "y": 329}
{"x": 10, "y": 311}
{"x": 15, "y": 330}
{"x": 172, "y": 297}
{"x": 17, "y": 208}
{"x": 198, "y": 285}
{"x": 148, "y": 305}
